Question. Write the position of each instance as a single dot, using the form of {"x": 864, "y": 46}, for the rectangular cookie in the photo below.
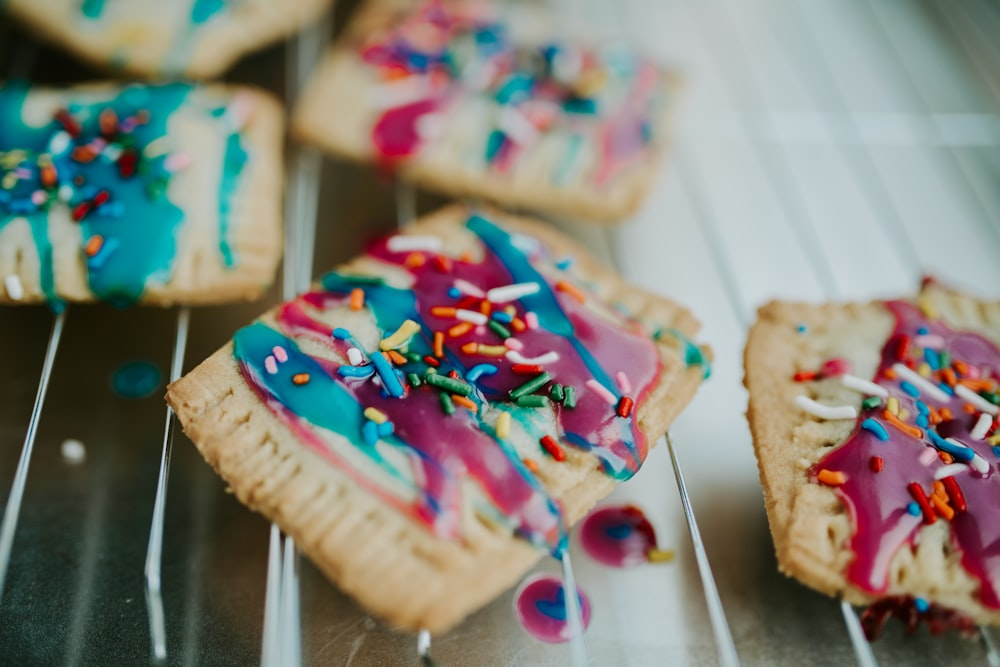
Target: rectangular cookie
{"x": 193, "y": 39}
{"x": 434, "y": 416}
{"x": 876, "y": 435}
{"x": 155, "y": 194}
{"x": 482, "y": 100}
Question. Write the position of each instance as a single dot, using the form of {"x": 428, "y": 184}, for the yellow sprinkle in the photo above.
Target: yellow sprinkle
{"x": 402, "y": 335}
{"x": 995, "y": 439}
{"x": 904, "y": 414}
{"x": 924, "y": 369}
{"x": 503, "y": 425}
{"x": 925, "y": 305}
{"x": 660, "y": 555}
{"x": 892, "y": 405}
{"x": 376, "y": 415}
{"x": 492, "y": 350}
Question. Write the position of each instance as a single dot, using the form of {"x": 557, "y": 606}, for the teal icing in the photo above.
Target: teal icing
{"x": 233, "y": 161}
{"x": 92, "y": 9}
{"x": 693, "y": 355}
{"x": 203, "y": 10}
{"x": 565, "y": 167}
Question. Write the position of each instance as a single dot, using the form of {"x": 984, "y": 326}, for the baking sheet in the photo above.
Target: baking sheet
{"x": 825, "y": 149}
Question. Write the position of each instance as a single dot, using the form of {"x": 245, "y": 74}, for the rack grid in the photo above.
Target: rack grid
{"x": 825, "y": 150}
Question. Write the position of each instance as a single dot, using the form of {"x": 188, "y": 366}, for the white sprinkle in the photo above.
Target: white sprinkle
{"x": 470, "y": 316}
{"x": 402, "y": 243}
{"x": 950, "y": 470}
{"x": 112, "y": 153}
{"x": 930, "y": 340}
{"x": 623, "y": 382}
{"x": 156, "y": 147}
{"x": 465, "y": 287}
{"x": 547, "y": 358}
{"x": 59, "y": 143}
{"x": 73, "y": 451}
{"x": 513, "y": 344}
{"x": 423, "y": 643}
{"x": 15, "y": 290}
{"x": 511, "y": 292}
{"x": 271, "y": 365}
{"x": 826, "y": 411}
{"x": 280, "y": 354}
{"x": 982, "y": 427}
{"x": 928, "y": 456}
{"x": 977, "y": 401}
{"x": 516, "y": 125}
{"x": 601, "y": 391}
{"x": 65, "y": 192}
{"x": 920, "y": 383}
{"x": 355, "y": 357}
{"x": 979, "y": 464}
{"x": 864, "y": 386}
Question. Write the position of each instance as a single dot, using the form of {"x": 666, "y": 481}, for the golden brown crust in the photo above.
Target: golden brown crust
{"x": 389, "y": 563}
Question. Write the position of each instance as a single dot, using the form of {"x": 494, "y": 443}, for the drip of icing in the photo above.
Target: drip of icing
{"x": 881, "y": 503}
{"x": 92, "y": 9}
{"x": 540, "y": 606}
{"x": 618, "y": 536}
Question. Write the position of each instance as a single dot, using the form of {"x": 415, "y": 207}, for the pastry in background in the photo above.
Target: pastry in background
{"x": 434, "y": 416}
{"x": 156, "y": 194}
{"x": 488, "y": 100}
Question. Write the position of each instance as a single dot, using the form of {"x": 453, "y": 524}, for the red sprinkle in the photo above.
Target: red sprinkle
{"x": 624, "y": 406}
{"x": 835, "y": 367}
{"x": 876, "y": 463}
{"x": 902, "y": 347}
{"x": 925, "y": 506}
{"x": 127, "y": 162}
{"x": 101, "y": 197}
{"x": 526, "y": 369}
{"x": 432, "y": 361}
{"x": 68, "y": 122}
{"x": 804, "y": 376}
{"x": 552, "y": 447}
{"x": 81, "y": 210}
{"x": 442, "y": 263}
{"x": 955, "y": 494}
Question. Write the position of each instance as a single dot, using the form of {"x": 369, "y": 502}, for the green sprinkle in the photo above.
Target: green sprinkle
{"x": 363, "y": 280}
{"x": 450, "y": 385}
{"x": 570, "y": 400}
{"x": 991, "y": 396}
{"x": 447, "y": 404}
{"x": 414, "y": 379}
{"x": 531, "y": 386}
{"x": 498, "y": 329}
{"x": 556, "y": 392}
{"x": 531, "y": 401}
{"x": 413, "y": 357}
{"x": 871, "y": 402}
{"x": 944, "y": 357}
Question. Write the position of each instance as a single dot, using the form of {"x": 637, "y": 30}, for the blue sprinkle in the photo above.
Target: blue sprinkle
{"x": 385, "y": 429}
{"x": 996, "y": 450}
{"x": 478, "y": 370}
{"x": 932, "y": 358}
{"x": 913, "y": 508}
{"x": 922, "y": 408}
{"x": 340, "y": 333}
{"x": 501, "y": 316}
{"x": 454, "y": 292}
{"x": 921, "y": 421}
{"x": 922, "y": 331}
{"x": 564, "y": 264}
{"x": 802, "y": 328}
{"x": 961, "y": 453}
{"x": 369, "y": 432}
{"x": 355, "y": 371}
{"x": 389, "y": 379}
{"x": 921, "y": 604}
{"x": 909, "y": 389}
{"x": 877, "y": 429}
{"x": 946, "y": 389}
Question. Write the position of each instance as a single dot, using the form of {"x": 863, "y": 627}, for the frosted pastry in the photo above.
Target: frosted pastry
{"x": 159, "y": 194}
{"x": 875, "y": 427}
{"x": 482, "y": 100}
{"x": 438, "y": 412}
{"x": 164, "y": 38}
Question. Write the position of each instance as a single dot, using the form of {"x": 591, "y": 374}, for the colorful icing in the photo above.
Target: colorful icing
{"x": 446, "y": 55}
{"x": 108, "y": 163}
{"x": 457, "y": 373}
{"x": 540, "y": 606}
{"x": 136, "y": 379}
{"x": 620, "y": 536}
{"x": 922, "y": 452}
{"x": 201, "y": 10}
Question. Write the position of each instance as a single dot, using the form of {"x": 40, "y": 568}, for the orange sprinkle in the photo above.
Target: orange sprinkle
{"x": 460, "y": 329}
{"x": 300, "y": 378}
{"x": 48, "y": 176}
{"x": 939, "y": 490}
{"x": 977, "y": 385}
{"x": 889, "y": 374}
{"x": 443, "y": 311}
{"x": 943, "y": 509}
{"x": 415, "y": 260}
{"x": 969, "y": 408}
{"x": 470, "y": 348}
{"x": 438, "y": 344}
{"x": 961, "y": 367}
{"x": 905, "y": 428}
{"x": 357, "y": 298}
{"x": 934, "y": 417}
{"x": 946, "y": 458}
{"x": 518, "y": 325}
{"x": 93, "y": 245}
{"x": 572, "y": 290}
{"x": 465, "y": 257}
{"x": 464, "y": 402}
{"x": 949, "y": 377}
{"x": 530, "y": 464}
{"x": 485, "y": 307}
{"x": 396, "y": 357}
{"x": 831, "y": 478}
{"x": 946, "y": 414}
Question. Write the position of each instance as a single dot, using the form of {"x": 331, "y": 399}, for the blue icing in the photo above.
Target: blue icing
{"x": 92, "y": 9}
{"x": 234, "y": 160}
{"x": 202, "y": 10}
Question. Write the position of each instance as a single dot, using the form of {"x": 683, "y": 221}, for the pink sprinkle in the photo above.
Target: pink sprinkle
{"x": 176, "y": 162}
{"x": 38, "y": 197}
{"x": 280, "y": 354}
{"x": 974, "y": 373}
{"x": 602, "y": 391}
{"x": 835, "y": 367}
{"x": 928, "y": 456}
{"x": 513, "y": 344}
{"x": 531, "y": 320}
{"x": 465, "y": 287}
{"x": 623, "y": 382}
{"x": 271, "y": 365}
{"x": 930, "y": 340}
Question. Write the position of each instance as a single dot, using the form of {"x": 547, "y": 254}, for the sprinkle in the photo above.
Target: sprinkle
{"x": 831, "y": 478}
{"x": 15, "y": 290}
{"x": 929, "y": 340}
{"x": 927, "y": 456}
{"x": 431, "y": 361}
{"x": 826, "y": 411}
{"x": 623, "y": 382}
{"x": 499, "y": 329}
{"x": 654, "y": 555}
{"x": 300, "y": 378}
{"x": 979, "y": 464}
{"x": 526, "y": 369}
{"x": 899, "y": 424}
{"x": 443, "y": 311}
{"x": 953, "y": 447}
{"x": 465, "y": 287}
{"x": 871, "y": 403}
{"x": 479, "y": 370}
{"x": 805, "y": 376}
{"x": 955, "y": 494}
{"x": 556, "y": 392}
{"x": 450, "y": 385}
{"x": 340, "y": 333}
{"x": 375, "y": 415}
{"x": 503, "y": 425}
{"x": 552, "y": 447}
{"x": 920, "y": 383}
{"x": 270, "y": 365}
{"x": 569, "y": 399}
{"x": 530, "y": 464}
{"x": 876, "y": 463}
{"x": 441, "y": 263}
{"x": 531, "y": 386}
{"x": 624, "y": 407}
{"x": 802, "y": 328}
{"x": 532, "y": 401}
{"x": 511, "y": 292}
{"x": 354, "y": 356}
{"x": 386, "y": 374}
{"x": 401, "y": 243}
{"x": 385, "y": 429}
{"x": 946, "y": 512}
{"x": 513, "y": 344}
{"x": 357, "y": 301}
{"x": 924, "y": 302}
{"x": 505, "y": 318}
{"x": 876, "y": 428}
{"x": 93, "y": 245}
{"x": 465, "y": 403}
{"x": 572, "y": 290}
{"x": 548, "y": 358}
{"x": 530, "y": 320}
{"x": 921, "y": 605}
{"x": 356, "y": 371}
{"x": 946, "y": 414}
{"x": 835, "y": 367}
{"x": 470, "y": 316}
{"x": 602, "y": 392}
{"x": 863, "y": 386}
{"x": 950, "y": 471}
{"x": 447, "y": 404}
{"x": 401, "y": 336}
{"x": 369, "y": 433}
{"x": 414, "y": 379}
{"x": 73, "y": 451}
{"x": 913, "y": 509}
{"x": 982, "y": 427}
{"x": 280, "y": 353}
{"x": 485, "y": 350}
{"x": 460, "y": 329}
{"x": 438, "y": 344}
{"x": 978, "y": 401}
{"x": 921, "y": 498}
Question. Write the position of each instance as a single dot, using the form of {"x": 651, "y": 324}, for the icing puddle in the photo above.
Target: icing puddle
{"x": 540, "y": 607}
{"x": 621, "y": 536}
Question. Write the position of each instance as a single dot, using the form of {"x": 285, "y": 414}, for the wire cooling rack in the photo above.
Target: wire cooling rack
{"x": 825, "y": 150}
